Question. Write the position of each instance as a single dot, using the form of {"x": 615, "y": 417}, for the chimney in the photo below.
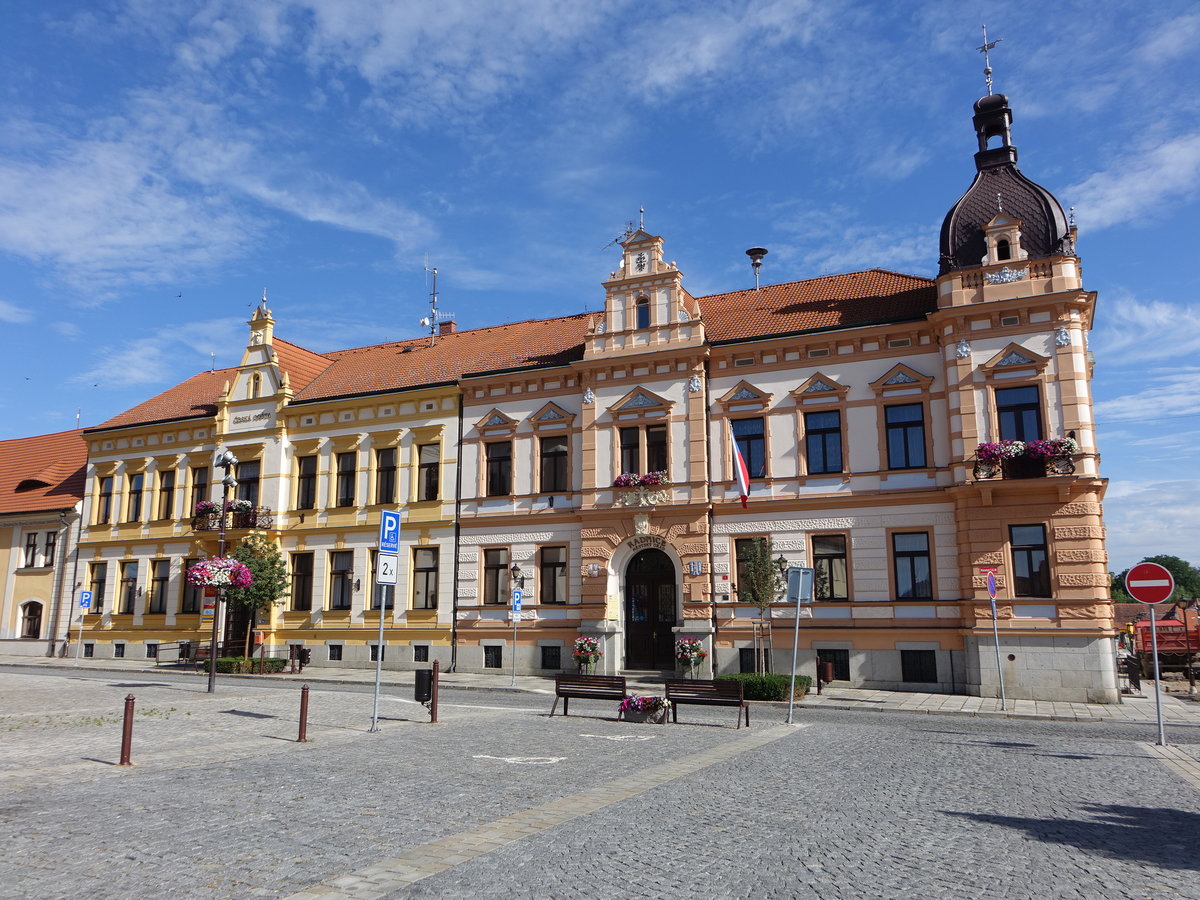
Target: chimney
{"x": 446, "y": 328}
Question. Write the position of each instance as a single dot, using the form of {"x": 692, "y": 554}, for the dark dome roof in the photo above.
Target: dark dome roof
{"x": 1000, "y": 189}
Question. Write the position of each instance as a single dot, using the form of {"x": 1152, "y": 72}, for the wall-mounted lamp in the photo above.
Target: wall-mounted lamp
{"x": 518, "y": 579}
{"x": 357, "y": 584}
{"x": 782, "y": 565}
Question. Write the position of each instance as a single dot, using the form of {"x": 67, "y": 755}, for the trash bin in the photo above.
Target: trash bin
{"x": 826, "y": 672}
{"x": 423, "y": 685}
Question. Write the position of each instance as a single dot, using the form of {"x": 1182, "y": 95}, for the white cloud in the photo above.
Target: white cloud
{"x": 1136, "y": 187}
{"x": 13, "y": 314}
{"x": 1172, "y": 393}
{"x": 1131, "y": 330}
{"x": 1149, "y": 518}
{"x": 1171, "y": 40}
{"x": 164, "y": 356}
{"x": 67, "y": 329}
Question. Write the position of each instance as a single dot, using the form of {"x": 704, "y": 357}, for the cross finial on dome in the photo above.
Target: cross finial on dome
{"x": 987, "y": 62}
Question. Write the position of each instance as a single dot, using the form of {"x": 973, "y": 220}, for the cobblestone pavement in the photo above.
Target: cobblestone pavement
{"x": 497, "y": 800}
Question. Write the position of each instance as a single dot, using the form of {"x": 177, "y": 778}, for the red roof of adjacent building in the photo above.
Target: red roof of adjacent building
{"x": 832, "y": 301}
{"x": 42, "y": 473}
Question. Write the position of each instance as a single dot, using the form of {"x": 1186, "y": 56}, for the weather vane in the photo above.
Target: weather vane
{"x": 987, "y": 62}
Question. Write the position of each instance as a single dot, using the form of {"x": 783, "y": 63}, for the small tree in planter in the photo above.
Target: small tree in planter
{"x": 261, "y": 556}
{"x": 760, "y": 583}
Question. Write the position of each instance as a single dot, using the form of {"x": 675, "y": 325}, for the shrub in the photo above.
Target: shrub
{"x": 768, "y": 687}
{"x": 245, "y": 665}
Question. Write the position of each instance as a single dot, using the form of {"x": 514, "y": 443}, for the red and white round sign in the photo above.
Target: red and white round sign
{"x": 1149, "y": 583}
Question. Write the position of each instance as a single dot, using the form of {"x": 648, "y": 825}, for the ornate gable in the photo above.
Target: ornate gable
{"x": 552, "y": 416}
{"x": 495, "y": 422}
{"x": 820, "y": 387}
{"x": 1015, "y": 357}
{"x": 744, "y": 395}
{"x": 901, "y": 379}
{"x": 640, "y": 402}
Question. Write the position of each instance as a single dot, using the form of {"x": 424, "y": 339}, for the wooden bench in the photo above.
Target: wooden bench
{"x": 707, "y": 693}
{"x": 587, "y": 687}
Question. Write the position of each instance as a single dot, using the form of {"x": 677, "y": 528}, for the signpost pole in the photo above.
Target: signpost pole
{"x": 83, "y": 596}
{"x": 385, "y": 574}
{"x": 381, "y": 592}
{"x": 799, "y": 590}
{"x": 516, "y": 616}
{"x": 991, "y": 589}
{"x": 1151, "y": 583}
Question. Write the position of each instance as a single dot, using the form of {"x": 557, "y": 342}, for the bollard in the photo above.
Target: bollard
{"x": 434, "y": 696}
{"x": 303, "y": 737}
{"x": 127, "y": 732}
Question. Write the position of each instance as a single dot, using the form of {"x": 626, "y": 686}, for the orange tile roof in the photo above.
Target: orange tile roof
{"x": 43, "y": 472}
{"x": 856, "y": 298}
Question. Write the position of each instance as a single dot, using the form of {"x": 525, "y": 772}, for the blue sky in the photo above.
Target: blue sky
{"x": 328, "y": 149}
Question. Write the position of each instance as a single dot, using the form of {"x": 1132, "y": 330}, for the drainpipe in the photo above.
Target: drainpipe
{"x": 458, "y": 467}
{"x": 712, "y": 574}
{"x": 59, "y": 575}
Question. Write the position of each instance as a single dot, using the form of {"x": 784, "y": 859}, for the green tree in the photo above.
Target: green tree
{"x": 761, "y": 583}
{"x": 261, "y": 555}
{"x": 1187, "y": 579}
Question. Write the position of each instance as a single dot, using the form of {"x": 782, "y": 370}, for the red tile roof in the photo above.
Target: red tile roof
{"x": 43, "y": 472}
{"x": 857, "y": 298}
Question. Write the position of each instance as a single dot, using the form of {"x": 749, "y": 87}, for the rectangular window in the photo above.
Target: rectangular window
{"x": 341, "y": 564}
{"x": 746, "y": 659}
{"x": 553, "y": 464}
{"x": 302, "y": 581}
{"x": 840, "y": 660}
{"x": 823, "y": 441}
{"x": 429, "y": 458}
{"x": 118, "y": 651}
{"x": 420, "y": 653}
{"x": 134, "y": 509}
{"x": 829, "y": 564}
{"x": 495, "y": 576}
{"x": 552, "y": 575}
{"x": 51, "y": 548}
{"x": 384, "y": 594}
{"x": 160, "y": 577}
{"x": 918, "y": 666}
{"x": 335, "y": 652}
{"x": 189, "y": 600}
{"x": 104, "y": 501}
{"x": 152, "y": 651}
{"x": 552, "y": 657}
{"x": 493, "y": 657}
{"x": 89, "y": 650}
{"x": 752, "y": 443}
{"x": 1031, "y": 567}
{"x": 742, "y": 548}
{"x": 499, "y": 469}
{"x": 656, "y": 448}
{"x": 425, "y": 578}
{"x": 385, "y": 475}
{"x": 345, "y": 478}
{"x": 128, "y": 592}
{"x": 376, "y": 654}
{"x": 1019, "y": 411}
{"x": 905, "y": 426}
{"x": 199, "y": 485}
{"x": 631, "y": 450}
{"x": 31, "y": 542}
{"x": 166, "y": 494}
{"x": 96, "y": 584}
{"x": 910, "y": 566}
{"x": 306, "y": 482}
{"x": 248, "y": 473}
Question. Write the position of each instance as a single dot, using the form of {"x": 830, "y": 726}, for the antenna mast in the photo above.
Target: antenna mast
{"x": 987, "y": 62}
{"x": 435, "y": 318}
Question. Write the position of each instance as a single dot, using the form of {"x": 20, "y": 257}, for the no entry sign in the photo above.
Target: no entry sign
{"x": 1149, "y": 583}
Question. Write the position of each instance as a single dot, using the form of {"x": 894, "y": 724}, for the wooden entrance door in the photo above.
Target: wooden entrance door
{"x": 650, "y": 611}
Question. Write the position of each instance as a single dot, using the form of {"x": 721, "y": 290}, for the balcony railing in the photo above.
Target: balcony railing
{"x": 254, "y": 517}
{"x": 1024, "y": 467}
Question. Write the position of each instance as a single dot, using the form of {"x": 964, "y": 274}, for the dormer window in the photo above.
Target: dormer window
{"x": 1003, "y": 251}
{"x": 642, "y": 312}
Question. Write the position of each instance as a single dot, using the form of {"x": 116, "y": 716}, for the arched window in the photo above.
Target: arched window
{"x": 643, "y": 312}
{"x": 1003, "y": 250}
{"x": 255, "y": 385}
{"x": 31, "y": 620}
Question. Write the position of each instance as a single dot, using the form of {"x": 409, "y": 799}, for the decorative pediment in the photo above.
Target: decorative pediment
{"x": 744, "y": 394}
{"x": 552, "y": 416}
{"x": 495, "y": 421}
{"x": 901, "y": 378}
{"x": 639, "y": 401}
{"x": 1015, "y": 356}
{"x": 820, "y": 387}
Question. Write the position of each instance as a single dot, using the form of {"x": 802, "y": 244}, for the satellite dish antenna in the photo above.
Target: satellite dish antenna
{"x": 756, "y": 255}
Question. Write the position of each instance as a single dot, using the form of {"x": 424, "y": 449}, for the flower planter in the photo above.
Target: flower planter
{"x": 656, "y": 717}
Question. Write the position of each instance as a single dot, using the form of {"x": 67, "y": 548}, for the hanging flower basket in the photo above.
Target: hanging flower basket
{"x": 207, "y": 508}
{"x": 587, "y": 653}
{"x": 690, "y": 653}
{"x": 219, "y": 571}
{"x": 632, "y": 479}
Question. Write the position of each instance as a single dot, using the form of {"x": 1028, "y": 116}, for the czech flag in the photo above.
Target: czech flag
{"x": 739, "y": 468}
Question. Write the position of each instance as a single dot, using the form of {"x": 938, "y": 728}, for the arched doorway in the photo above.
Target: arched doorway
{"x": 649, "y": 611}
{"x": 31, "y": 620}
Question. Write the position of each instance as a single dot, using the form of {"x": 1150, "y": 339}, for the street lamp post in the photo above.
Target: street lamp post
{"x": 226, "y": 460}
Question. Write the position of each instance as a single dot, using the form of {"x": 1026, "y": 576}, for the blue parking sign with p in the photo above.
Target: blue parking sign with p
{"x": 389, "y": 531}
{"x": 85, "y": 599}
